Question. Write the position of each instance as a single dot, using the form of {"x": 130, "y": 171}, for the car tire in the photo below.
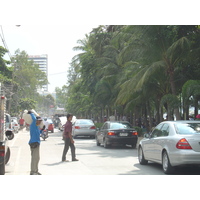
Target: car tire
{"x": 166, "y": 165}
{"x": 7, "y": 155}
{"x": 2, "y": 168}
{"x": 97, "y": 142}
{"x": 105, "y": 144}
{"x": 141, "y": 158}
{"x": 133, "y": 146}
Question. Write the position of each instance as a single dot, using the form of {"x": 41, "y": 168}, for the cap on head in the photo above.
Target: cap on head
{"x": 38, "y": 118}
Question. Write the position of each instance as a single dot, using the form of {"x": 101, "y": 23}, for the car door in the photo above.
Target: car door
{"x": 160, "y": 142}
{"x": 149, "y": 146}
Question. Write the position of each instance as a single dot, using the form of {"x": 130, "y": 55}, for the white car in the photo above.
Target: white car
{"x": 172, "y": 144}
{"x": 14, "y": 125}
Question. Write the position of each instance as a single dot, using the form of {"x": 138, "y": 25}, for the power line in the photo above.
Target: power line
{"x": 65, "y": 72}
{"x": 4, "y": 42}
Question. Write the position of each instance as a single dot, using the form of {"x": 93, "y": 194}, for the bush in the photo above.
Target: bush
{"x": 99, "y": 125}
{"x": 141, "y": 131}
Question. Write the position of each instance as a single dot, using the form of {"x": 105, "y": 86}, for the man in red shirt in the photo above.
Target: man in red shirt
{"x": 21, "y": 123}
{"x": 69, "y": 142}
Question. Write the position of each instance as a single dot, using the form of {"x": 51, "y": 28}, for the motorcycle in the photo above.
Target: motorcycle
{"x": 44, "y": 134}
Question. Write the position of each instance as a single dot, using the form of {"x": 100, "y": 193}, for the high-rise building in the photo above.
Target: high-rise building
{"x": 42, "y": 61}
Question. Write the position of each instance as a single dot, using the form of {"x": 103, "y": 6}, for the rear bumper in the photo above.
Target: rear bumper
{"x": 2, "y": 160}
{"x": 2, "y": 150}
{"x": 186, "y": 157}
{"x": 122, "y": 140}
{"x": 84, "y": 133}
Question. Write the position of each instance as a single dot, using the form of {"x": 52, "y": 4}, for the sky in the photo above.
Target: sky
{"x": 53, "y": 27}
{"x": 57, "y": 41}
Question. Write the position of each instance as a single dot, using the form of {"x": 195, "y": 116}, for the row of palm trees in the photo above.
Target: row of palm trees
{"x": 136, "y": 71}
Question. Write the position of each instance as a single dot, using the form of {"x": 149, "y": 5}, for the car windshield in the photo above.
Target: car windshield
{"x": 118, "y": 125}
{"x": 49, "y": 120}
{"x": 188, "y": 128}
{"x": 84, "y": 122}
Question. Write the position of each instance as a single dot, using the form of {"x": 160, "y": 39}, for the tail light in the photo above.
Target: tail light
{"x": 183, "y": 144}
{"x": 111, "y": 133}
{"x": 134, "y": 133}
{"x": 77, "y": 127}
{"x": 93, "y": 127}
{"x": 16, "y": 124}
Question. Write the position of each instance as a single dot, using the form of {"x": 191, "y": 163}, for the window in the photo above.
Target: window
{"x": 120, "y": 125}
{"x": 105, "y": 126}
{"x": 188, "y": 128}
{"x": 157, "y": 131}
{"x": 165, "y": 130}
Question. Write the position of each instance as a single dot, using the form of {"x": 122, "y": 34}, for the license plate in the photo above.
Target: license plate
{"x": 123, "y": 134}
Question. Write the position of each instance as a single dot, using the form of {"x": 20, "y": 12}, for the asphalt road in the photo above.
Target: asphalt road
{"x": 93, "y": 160}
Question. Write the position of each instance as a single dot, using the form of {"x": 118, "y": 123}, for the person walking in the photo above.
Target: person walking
{"x": 21, "y": 123}
{"x": 34, "y": 142}
{"x": 69, "y": 142}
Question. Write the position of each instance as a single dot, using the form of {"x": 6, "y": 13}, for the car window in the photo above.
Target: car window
{"x": 84, "y": 122}
{"x": 105, "y": 126}
{"x": 7, "y": 118}
{"x": 188, "y": 128}
{"x": 120, "y": 125}
{"x": 165, "y": 130}
{"x": 157, "y": 131}
{"x": 49, "y": 120}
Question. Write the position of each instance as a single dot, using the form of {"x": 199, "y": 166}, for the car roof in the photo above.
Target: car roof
{"x": 182, "y": 121}
{"x": 118, "y": 122}
{"x": 83, "y": 119}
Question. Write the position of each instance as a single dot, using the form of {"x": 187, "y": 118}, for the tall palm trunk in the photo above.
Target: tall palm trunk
{"x": 173, "y": 89}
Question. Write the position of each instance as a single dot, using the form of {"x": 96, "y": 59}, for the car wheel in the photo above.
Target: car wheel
{"x": 97, "y": 142}
{"x": 166, "y": 165}
{"x": 141, "y": 158}
{"x": 105, "y": 144}
{"x": 2, "y": 168}
{"x": 133, "y": 146}
{"x": 7, "y": 155}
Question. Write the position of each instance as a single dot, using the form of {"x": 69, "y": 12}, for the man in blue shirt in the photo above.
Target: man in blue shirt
{"x": 34, "y": 143}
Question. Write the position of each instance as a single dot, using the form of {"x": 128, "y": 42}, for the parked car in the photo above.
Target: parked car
{"x": 51, "y": 125}
{"x": 83, "y": 127}
{"x": 117, "y": 132}
{"x": 8, "y": 127}
{"x": 171, "y": 144}
{"x": 14, "y": 125}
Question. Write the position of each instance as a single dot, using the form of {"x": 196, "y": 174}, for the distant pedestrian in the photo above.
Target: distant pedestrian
{"x": 69, "y": 142}
{"x": 34, "y": 143}
{"x": 21, "y": 123}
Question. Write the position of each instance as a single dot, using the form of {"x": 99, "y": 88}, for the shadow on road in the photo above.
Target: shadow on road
{"x": 56, "y": 163}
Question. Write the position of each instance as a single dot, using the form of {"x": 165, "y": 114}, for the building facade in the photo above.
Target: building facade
{"x": 42, "y": 61}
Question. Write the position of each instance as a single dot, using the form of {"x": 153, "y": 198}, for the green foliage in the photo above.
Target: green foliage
{"x": 134, "y": 71}
{"x": 26, "y": 104}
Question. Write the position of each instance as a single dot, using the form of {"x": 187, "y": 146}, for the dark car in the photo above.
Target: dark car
{"x": 117, "y": 132}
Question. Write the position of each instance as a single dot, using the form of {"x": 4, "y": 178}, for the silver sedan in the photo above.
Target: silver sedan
{"x": 172, "y": 144}
{"x": 83, "y": 127}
